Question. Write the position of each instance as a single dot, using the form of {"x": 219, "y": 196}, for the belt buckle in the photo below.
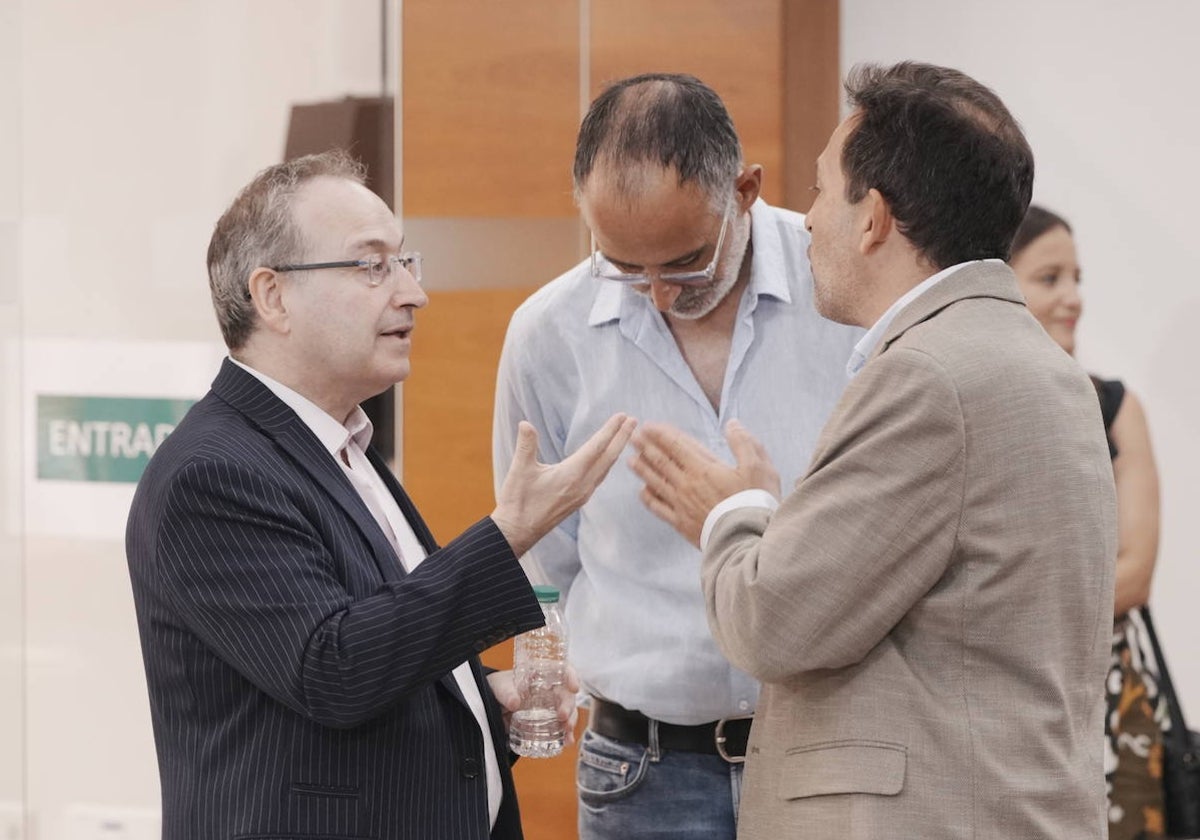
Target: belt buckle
{"x": 719, "y": 737}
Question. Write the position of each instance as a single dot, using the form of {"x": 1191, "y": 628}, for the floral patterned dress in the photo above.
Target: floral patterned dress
{"x": 1133, "y": 713}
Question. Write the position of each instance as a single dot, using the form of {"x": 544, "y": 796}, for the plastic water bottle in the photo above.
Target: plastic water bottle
{"x": 540, "y": 665}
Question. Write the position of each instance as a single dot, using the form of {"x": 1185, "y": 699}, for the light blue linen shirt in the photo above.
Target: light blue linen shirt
{"x": 579, "y": 350}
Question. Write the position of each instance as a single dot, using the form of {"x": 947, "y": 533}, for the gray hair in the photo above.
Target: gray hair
{"x": 259, "y": 230}
{"x": 670, "y": 120}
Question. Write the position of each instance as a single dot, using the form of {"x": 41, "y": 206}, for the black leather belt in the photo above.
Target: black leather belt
{"x": 726, "y": 737}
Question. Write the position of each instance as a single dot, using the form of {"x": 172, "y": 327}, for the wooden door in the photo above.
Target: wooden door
{"x": 492, "y": 94}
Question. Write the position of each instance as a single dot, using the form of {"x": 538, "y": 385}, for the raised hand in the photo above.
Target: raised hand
{"x": 535, "y": 497}
{"x": 684, "y": 481}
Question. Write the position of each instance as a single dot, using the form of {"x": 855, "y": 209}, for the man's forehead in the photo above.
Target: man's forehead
{"x": 832, "y": 153}
{"x": 347, "y": 209}
{"x": 330, "y": 194}
{"x": 844, "y": 130}
{"x": 637, "y": 182}
{"x": 656, "y": 194}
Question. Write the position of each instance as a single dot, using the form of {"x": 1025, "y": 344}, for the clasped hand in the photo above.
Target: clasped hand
{"x": 684, "y": 481}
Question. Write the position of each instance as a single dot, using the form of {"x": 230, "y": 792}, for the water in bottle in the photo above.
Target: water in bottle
{"x": 540, "y": 663}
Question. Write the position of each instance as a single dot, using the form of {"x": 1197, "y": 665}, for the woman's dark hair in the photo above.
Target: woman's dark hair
{"x": 1038, "y": 220}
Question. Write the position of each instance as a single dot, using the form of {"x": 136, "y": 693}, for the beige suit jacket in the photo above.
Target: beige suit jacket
{"x": 930, "y": 609}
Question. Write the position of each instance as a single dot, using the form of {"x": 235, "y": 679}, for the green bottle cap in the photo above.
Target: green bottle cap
{"x": 546, "y": 594}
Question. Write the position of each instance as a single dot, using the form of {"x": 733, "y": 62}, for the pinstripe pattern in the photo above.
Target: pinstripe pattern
{"x": 299, "y": 679}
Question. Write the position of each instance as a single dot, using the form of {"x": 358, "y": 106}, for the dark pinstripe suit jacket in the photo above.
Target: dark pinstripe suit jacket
{"x": 299, "y": 679}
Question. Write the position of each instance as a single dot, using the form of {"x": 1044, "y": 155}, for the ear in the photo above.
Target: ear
{"x": 876, "y": 222}
{"x": 748, "y": 186}
{"x": 266, "y": 293}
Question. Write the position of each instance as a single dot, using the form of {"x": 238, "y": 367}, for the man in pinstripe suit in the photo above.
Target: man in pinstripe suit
{"x": 310, "y": 652}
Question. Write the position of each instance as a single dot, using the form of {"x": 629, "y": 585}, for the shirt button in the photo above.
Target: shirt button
{"x": 743, "y": 705}
{"x": 470, "y": 767}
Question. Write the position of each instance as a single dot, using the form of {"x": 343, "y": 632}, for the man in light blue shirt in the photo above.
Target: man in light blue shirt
{"x": 695, "y": 307}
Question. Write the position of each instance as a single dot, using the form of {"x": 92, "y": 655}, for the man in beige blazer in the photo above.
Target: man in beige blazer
{"x": 929, "y": 609}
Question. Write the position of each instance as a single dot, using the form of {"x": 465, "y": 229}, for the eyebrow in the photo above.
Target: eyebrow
{"x": 690, "y": 256}
{"x": 377, "y": 244}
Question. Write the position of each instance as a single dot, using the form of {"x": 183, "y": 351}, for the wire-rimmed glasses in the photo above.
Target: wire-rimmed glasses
{"x": 376, "y": 268}
{"x": 602, "y": 269}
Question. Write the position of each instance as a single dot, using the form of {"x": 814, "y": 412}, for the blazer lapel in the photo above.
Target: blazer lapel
{"x": 255, "y": 400}
{"x": 975, "y": 280}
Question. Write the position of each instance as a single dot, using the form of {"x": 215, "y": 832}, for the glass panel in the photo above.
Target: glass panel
{"x": 138, "y": 124}
{"x": 12, "y": 658}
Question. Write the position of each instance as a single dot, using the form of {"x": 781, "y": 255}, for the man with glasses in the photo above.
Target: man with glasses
{"x": 695, "y": 306}
{"x": 310, "y": 652}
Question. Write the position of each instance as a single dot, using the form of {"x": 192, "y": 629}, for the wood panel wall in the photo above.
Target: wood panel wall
{"x": 811, "y": 93}
{"x": 491, "y": 99}
{"x": 734, "y": 47}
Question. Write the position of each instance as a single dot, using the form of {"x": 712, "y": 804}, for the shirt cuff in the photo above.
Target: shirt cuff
{"x": 746, "y": 498}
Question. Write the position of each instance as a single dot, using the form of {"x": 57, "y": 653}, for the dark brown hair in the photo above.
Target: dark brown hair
{"x": 945, "y": 153}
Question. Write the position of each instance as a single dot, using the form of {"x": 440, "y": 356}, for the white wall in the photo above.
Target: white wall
{"x": 139, "y": 121}
{"x": 1106, "y": 92}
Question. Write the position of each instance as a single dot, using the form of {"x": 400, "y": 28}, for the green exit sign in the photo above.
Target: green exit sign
{"x": 102, "y": 438}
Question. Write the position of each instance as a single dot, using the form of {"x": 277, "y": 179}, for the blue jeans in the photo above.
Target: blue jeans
{"x": 628, "y": 791}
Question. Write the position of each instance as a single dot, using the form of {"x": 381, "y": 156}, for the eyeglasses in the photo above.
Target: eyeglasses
{"x": 376, "y": 268}
{"x": 602, "y": 269}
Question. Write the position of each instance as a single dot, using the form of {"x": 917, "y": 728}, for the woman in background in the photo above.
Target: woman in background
{"x": 1046, "y": 265}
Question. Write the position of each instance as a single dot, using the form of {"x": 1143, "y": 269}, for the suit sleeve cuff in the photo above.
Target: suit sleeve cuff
{"x": 746, "y": 498}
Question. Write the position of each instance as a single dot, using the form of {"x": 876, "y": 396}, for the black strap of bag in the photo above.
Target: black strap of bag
{"x": 1181, "y": 753}
{"x": 1166, "y": 687}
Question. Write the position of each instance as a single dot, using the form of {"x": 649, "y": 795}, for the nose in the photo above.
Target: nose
{"x": 1071, "y": 297}
{"x": 408, "y": 291}
{"x": 663, "y": 294}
